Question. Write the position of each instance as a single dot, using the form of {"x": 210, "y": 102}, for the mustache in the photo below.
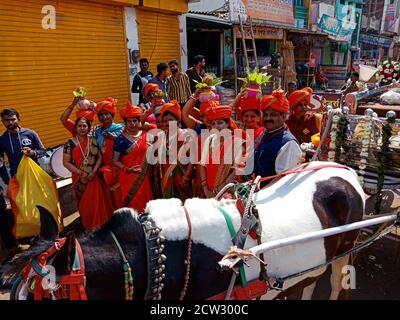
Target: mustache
{"x": 268, "y": 121}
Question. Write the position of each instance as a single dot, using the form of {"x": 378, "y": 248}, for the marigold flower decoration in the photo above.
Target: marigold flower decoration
{"x": 388, "y": 72}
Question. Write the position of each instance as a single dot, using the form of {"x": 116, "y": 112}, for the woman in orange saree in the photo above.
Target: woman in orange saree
{"x": 176, "y": 177}
{"x": 130, "y": 150}
{"x": 83, "y": 158}
{"x": 222, "y": 153}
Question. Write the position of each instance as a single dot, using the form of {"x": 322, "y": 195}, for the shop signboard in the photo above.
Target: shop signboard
{"x": 336, "y": 29}
{"x": 323, "y": 99}
{"x": 375, "y": 40}
{"x": 272, "y": 10}
{"x": 260, "y": 33}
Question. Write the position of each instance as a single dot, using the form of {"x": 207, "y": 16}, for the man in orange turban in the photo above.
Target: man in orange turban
{"x": 302, "y": 125}
{"x": 276, "y": 150}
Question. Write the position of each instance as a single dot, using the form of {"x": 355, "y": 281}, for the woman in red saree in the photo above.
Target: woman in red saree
{"x": 222, "y": 152}
{"x": 130, "y": 150}
{"x": 176, "y": 177}
{"x": 83, "y": 158}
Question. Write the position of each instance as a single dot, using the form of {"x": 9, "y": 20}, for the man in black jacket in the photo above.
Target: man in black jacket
{"x": 141, "y": 79}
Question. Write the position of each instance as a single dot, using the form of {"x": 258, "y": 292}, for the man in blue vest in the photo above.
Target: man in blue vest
{"x": 276, "y": 150}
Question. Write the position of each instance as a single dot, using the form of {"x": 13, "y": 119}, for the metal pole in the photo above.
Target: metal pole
{"x": 314, "y": 235}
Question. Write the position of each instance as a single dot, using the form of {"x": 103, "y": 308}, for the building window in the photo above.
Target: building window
{"x": 298, "y": 3}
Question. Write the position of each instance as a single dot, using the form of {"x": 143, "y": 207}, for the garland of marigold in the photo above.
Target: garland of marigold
{"x": 365, "y": 145}
{"x": 342, "y": 125}
{"x": 386, "y": 134}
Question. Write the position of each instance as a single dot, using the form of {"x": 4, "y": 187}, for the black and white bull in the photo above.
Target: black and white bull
{"x": 296, "y": 204}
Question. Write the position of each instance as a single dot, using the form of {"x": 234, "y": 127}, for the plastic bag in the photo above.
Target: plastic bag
{"x": 391, "y": 97}
{"x": 32, "y": 187}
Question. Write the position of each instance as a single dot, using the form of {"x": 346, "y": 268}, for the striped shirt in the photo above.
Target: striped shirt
{"x": 179, "y": 89}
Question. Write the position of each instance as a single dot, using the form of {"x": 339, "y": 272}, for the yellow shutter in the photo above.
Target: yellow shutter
{"x": 40, "y": 68}
{"x": 158, "y": 37}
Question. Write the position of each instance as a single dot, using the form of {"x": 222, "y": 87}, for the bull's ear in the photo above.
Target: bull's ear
{"x": 64, "y": 260}
{"x": 48, "y": 226}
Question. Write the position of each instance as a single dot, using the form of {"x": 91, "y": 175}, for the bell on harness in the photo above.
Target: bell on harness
{"x": 243, "y": 190}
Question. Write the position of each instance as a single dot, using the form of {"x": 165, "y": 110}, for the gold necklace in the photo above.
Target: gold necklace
{"x": 135, "y": 137}
{"x": 85, "y": 157}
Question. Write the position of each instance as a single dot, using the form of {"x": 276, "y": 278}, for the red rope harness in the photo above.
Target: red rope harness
{"x": 303, "y": 168}
{"x": 252, "y": 290}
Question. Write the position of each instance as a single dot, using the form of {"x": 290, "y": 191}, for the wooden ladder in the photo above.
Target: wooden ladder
{"x": 245, "y": 50}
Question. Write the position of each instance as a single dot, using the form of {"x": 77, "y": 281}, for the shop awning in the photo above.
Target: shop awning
{"x": 207, "y": 18}
{"x": 308, "y": 32}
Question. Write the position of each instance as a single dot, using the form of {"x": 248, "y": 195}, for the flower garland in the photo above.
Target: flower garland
{"x": 386, "y": 134}
{"x": 342, "y": 125}
{"x": 388, "y": 72}
{"x": 365, "y": 145}
{"x": 333, "y": 137}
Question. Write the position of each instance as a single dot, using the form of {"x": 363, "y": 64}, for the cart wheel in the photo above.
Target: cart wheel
{"x": 370, "y": 192}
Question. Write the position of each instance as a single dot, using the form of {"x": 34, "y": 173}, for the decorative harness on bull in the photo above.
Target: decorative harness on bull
{"x": 39, "y": 277}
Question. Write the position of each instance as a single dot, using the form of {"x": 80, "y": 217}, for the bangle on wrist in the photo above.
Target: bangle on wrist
{"x": 193, "y": 97}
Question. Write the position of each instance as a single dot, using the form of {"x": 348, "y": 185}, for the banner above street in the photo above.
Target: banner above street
{"x": 280, "y": 12}
{"x": 337, "y": 29}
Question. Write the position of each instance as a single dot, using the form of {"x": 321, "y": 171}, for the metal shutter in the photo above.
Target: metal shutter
{"x": 40, "y": 68}
{"x": 158, "y": 37}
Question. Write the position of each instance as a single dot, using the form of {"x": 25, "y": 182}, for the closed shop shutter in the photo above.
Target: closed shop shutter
{"x": 40, "y": 68}
{"x": 159, "y": 37}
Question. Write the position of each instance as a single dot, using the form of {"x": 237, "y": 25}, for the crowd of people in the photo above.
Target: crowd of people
{"x": 110, "y": 163}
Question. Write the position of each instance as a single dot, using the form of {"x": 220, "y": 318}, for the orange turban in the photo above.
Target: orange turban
{"x": 150, "y": 87}
{"x": 299, "y": 95}
{"x": 109, "y": 104}
{"x": 276, "y": 101}
{"x": 218, "y": 113}
{"x": 172, "y": 107}
{"x": 249, "y": 103}
{"x": 88, "y": 114}
{"x": 204, "y": 106}
{"x": 130, "y": 111}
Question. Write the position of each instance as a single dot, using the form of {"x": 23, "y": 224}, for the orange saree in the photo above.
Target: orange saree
{"x": 136, "y": 188}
